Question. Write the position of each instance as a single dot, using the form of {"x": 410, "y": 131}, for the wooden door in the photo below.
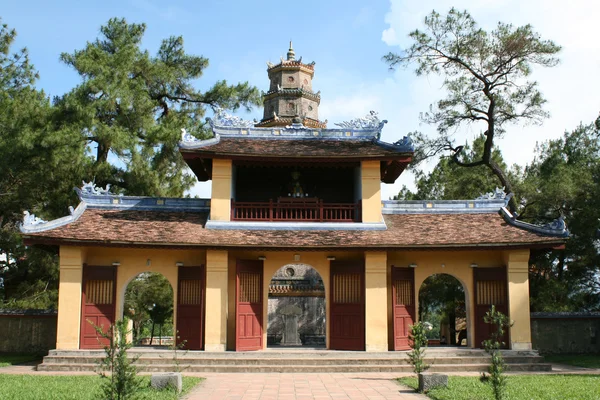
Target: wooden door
{"x": 403, "y": 300}
{"x": 190, "y": 307}
{"x": 490, "y": 289}
{"x": 249, "y": 305}
{"x": 347, "y": 324}
{"x": 97, "y": 304}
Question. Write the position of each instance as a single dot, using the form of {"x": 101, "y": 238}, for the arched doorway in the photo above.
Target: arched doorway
{"x": 442, "y": 303}
{"x": 149, "y": 305}
{"x": 296, "y": 308}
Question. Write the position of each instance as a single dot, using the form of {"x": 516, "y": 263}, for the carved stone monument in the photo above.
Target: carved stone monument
{"x": 290, "y": 314}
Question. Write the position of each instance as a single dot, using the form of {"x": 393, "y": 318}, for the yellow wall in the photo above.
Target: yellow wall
{"x": 376, "y": 297}
{"x": 132, "y": 263}
{"x": 220, "y": 203}
{"x": 220, "y": 286}
{"x": 371, "y": 191}
{"x": 215, "y": 331}
{"x": 69, "y": 297}
{"x": 517, "y": 263}
{"x": 455, "y": 263}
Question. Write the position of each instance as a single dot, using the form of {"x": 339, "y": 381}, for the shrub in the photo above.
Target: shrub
{"x": 496, "y": 377}
{"x": 418, "y": 344}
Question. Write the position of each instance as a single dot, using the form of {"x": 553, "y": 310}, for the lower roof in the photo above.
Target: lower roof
{"x": 149, "y": 228}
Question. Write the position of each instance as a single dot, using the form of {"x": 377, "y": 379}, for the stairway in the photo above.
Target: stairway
{"x": 152, "y": 360}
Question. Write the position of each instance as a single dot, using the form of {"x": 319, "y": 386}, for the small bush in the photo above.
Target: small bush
{"x": 418, "y": 344}
{"x": 496, "y": 377}
{"x": 120, "y": 375}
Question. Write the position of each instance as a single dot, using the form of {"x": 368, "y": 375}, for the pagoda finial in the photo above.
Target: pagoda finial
{"x": 291, "y": 55}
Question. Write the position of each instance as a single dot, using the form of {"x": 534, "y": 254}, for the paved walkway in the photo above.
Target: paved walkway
{"x": 300, "y": 386}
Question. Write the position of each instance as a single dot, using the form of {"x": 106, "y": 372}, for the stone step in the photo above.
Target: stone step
{"x": 400, "y": 360}
{"x": 295, "y": 368}
{"x": 431, "y": 353}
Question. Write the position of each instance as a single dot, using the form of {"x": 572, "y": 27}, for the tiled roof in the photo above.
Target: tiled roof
{"x": 258, "y": 147}
{"x": 175, "y": 228}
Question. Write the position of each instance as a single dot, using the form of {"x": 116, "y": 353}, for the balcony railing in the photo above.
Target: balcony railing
{"x": 295, "y": 209}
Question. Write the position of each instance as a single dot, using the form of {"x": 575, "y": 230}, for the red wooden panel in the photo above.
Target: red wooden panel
{"x": 99, "y": 285}
{"x": 190, "y": 307}
{"x": 347, "y": 325}
{"x": 490, "y": 288}
{"x": 249, "y": 305}
{"x": 403, "y": 300}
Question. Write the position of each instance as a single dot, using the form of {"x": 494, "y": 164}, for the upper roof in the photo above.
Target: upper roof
{"x": 110, "y": 220}
{"x": 354, "y": 140}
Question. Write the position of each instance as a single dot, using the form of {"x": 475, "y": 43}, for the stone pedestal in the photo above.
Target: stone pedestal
{"x": 429, "y": 381}
{"x": 290, "y": 325}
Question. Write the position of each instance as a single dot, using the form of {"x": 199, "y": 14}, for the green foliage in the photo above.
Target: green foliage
{"x": 121, "y": 382}
{"x": 132, "y": 106}
{"x": 418, "y": 344}
{"x": 563, "y": 180}
{"x": 496, "y": 377}
{"x": 485, "y": 76}
{"x": 519, "y": 387}
{"x": 148, "y": 298}
{"x": 77, "y": 387}
{"x": 40, "y": 163}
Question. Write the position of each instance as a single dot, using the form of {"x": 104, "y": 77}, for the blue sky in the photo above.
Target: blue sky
{"x": 346, "y": 39}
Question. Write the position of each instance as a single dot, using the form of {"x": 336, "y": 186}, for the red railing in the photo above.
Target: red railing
{"x": 295, "y": 209}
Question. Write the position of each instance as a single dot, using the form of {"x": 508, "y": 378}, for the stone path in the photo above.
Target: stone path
{"x": 301, "y": 386}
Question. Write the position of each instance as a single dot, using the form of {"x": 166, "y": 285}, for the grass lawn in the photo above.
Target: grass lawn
{"x": 520, "y": 387}
{"x": 35, "y": 387}
{"x": 13, "y": 359}
{"x": 578, "y": 360}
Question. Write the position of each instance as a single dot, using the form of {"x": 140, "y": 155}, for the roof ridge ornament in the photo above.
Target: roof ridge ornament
{"x": 406, "y": 141}
{"x": 557, "y": 225}
{"x": 369, "y": 121}
{"x": 223, "y": 118}
{"x": 91, "y": 188}
{"x": 187, "y": 137}
{"x": 497, "y": 194}
{"x": 31, "y": 220}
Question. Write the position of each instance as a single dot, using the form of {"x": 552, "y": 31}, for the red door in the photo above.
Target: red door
{"x": 190, "y": 307}
{"x": 249, "y": 305}
{"x": 490, "y": 289}
{"x": 403, "y": 298}
{"x": 347, "y": 306}
{"x": 97, "y": 304}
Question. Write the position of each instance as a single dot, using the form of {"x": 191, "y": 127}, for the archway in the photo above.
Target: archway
{"x": 296, "y": 308}
{"x": 149, "y": 305}
{"x": 442, "y": 303}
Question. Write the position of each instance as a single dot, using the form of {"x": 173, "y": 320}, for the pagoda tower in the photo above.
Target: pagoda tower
{"x": 290, "y": 98}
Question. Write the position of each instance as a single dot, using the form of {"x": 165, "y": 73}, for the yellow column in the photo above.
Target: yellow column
{"x": 517, "y": 263}
{"x": 220, "y": 203}
{"x": 69, "y": 298}
{"x": 215, "y": 331}
{"x": 376, "y": 298}
{"x": 371, "y": 191}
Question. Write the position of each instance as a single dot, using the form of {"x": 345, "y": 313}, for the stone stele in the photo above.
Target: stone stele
{"x": 429, "y": 381}
{"x": 167, "y": 379}
{"x": 290, "y": 315}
